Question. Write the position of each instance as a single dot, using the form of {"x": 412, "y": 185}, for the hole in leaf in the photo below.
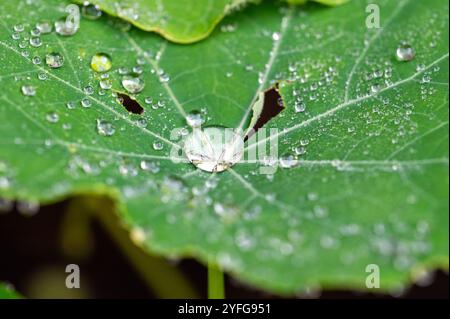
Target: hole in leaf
{"x": 272, "y": 106}
{"x": 131, "y": 105}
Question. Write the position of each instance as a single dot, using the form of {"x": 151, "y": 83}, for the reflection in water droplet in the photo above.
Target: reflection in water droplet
{"x": 54, "y": 60}
{"x": 101, "y": 62}
{"x": 132, "y": 84}
{"x": 214, "y": 149}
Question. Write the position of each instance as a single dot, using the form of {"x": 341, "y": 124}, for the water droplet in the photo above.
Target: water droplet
{"x": 89, "y": 90}
{"x": 133, "y": 84}
{"x": 157, "y": 146}
{"x": 276, "y": 36}
{"x": 123, "y": 70}
{"x": 288, "y": 161}
{"x": 19, "y": 27}
{"x": 405, "y": 52}
{"x": 299, "y": 106}
{"x": 105, "y": 128}
{"x": 101, "y": 62}
{"x": 105, "y": 84}
{"x": 86, "y": 102}
{"x": 375, "y": 88}
{"x": 149, "y": 166}
{"x": 35, "y": 32}
{"x": 54, "y": 60}
{"x": 44, "y": 27}
{"x": 138, "y": 69}
{"x": 5, "y": 183}
{"x": 127, "y": 170}
{"x": 214, "y": 149}
{"x": 141, "y": 122}
{"x": 91, "y": 11}
{"x": 426, "y": 78}
{"x": 300, "y": 150}
{"x": 164, "y": 77}
{"x": 70, "y": 105}
{"x": 52, "y": 117}
{"x": 28, "y": 90}
{"x": 36, "y": 60}
{"x": 27, "y": 208}
{"x": 195, "y": 119}
{"x": 6, "y": 205}
{"x": 35, "y": 42}
{"x": 138, "y": 235}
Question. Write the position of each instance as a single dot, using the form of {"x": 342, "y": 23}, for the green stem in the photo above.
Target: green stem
{"x": 216, "y": 287}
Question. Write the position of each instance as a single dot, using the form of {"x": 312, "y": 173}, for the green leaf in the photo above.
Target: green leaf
{"x": 184, "y": 21}
{"x": 179, "y": 21}
{"x": 371, "y": 184}
{"x": 6, "y": 292}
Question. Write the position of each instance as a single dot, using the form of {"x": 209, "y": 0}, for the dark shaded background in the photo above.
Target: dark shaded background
{"x": 33, "y": 260}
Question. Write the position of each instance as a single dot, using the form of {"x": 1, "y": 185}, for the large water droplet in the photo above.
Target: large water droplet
{"x": 405, "y": 52}
{"x": 133, "y": 84}
{"x": 214, "y": 149}
{"x": 101, "y": 62}
{"x": 54, "y": 60}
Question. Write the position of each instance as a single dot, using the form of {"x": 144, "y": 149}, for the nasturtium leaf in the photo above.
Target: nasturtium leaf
{"x": 184, "y": 21}
{"x": 362, "y": 180}
{"x": 6, "y": 292}
{"x": 179, "y": 21}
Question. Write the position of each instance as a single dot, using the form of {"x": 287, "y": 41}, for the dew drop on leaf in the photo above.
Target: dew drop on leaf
{"x": 54, "y": 60}
{"x": 149, "y": 166}
{"x": 105, "y": 128}
{"x": 195, "y": 119}
{"x": 132, "y": 84}
{"x": 28, "y": 90}
{"x": 105, "y": 84}
{"x": 91, "y": 11}
{"x": 405, "y": 52}
{"x": 214, "y": 149}
{"x": 86, "y": 102}
{"x": 35, "y": 42}
{"x": 28, "y": 208}
{"x": 89, "y": 90}
{"x": 19, "y": 27}
{"x": 52, "y": 117}
{"x": 157, "y": 146}
{"x": 288, "y": 161}
{"x": 44, "y": 27}
{"x": 101, "y": 62}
